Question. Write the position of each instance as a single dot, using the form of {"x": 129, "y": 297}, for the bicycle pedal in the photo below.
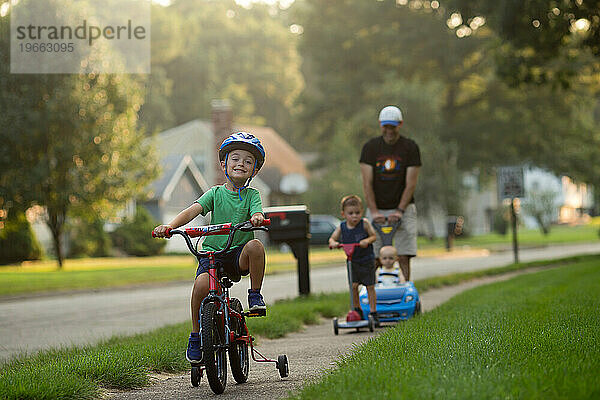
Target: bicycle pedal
{"x": 255, "y": 313}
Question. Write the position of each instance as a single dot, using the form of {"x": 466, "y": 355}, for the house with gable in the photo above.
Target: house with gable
{"x": 189, "y": 164}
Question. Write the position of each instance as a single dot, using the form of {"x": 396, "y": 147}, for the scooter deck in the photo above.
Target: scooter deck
{"x": 353, "y": 324}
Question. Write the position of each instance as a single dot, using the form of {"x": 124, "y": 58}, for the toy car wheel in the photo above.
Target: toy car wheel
{"x": 196, "y": 376}
{"x": 418, "y": 308}
{"x": 335, "y": 326}
{"x": 371, "y": 323}
{"x": 282, "y": 366}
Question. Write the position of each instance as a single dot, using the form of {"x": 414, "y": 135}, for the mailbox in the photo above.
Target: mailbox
{"x": 290, "y": 224}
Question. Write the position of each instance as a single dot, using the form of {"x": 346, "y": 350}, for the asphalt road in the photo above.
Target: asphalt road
{"x": 29, "y": 325}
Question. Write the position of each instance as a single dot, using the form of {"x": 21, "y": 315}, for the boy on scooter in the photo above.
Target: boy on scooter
{"x": 356, "y": 229}
{"x": 241, "y": 156}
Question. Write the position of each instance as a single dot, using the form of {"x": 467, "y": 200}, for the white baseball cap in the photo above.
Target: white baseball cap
{"x": 390, "y": 115}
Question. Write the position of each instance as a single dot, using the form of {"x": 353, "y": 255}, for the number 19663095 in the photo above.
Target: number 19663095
{"x": 46, "y": 47}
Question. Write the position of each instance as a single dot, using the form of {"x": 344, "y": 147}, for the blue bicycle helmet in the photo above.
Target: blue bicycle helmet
{"x": 243, "y": 141}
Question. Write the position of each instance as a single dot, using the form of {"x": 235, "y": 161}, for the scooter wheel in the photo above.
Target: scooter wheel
{"x": 371, "y": 323}
{"x": 282, "y": 366}
{"x": 335, "y": 326}
{"x": 196, "y": 376}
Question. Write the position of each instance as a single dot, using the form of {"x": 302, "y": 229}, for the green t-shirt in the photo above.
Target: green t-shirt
{"x": 226, "y": 206}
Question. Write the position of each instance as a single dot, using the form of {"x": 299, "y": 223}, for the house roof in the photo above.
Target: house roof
{"x": 196, "y": 139}
{"x": 190, "y": 138}
{"x": 173, "y": 167}
{"x": 280, "y": 155}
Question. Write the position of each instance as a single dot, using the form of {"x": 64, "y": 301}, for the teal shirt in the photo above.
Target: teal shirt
{"x": 227, "y": 207}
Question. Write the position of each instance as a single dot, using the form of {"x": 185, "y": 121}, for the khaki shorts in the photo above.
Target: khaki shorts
{"x": 405, "y": 238}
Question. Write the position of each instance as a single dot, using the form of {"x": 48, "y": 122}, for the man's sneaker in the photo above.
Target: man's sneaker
{"x": 194, "y": 349}
{"x": 255, "y": 301}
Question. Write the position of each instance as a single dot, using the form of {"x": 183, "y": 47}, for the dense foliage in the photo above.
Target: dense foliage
{"x": 70, "y": 143}
{"x": 17, "y": 241}
{"x": 133, "y": 235}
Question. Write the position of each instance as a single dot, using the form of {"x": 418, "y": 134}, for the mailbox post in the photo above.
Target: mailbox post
{"x": 289, "y": 224}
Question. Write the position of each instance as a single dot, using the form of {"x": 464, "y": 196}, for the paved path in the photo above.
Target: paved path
{"x": 33, "y": 324}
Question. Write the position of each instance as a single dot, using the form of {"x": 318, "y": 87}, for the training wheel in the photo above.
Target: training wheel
{"x": 335, "y": 326}
{"x": 196, "y": 376}
{"x": 282, "y": 366}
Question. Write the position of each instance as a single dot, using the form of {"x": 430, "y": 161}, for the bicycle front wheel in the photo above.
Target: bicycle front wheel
{"x": 213, "y": 347}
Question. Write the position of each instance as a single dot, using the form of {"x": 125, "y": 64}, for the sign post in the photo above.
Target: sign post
{"x": 510, "y": 186}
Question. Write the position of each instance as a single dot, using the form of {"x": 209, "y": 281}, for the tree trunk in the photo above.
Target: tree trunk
{"x": 543, "y": 226}
{"x": 55, "y": 222}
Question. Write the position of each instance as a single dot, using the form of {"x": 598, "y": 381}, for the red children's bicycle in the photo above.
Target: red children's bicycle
{"x": 222, "y": 321}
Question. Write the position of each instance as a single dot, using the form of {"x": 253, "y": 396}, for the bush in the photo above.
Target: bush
{"x": 134, "y": 236}
{"x": 17, "y": 240}
{"x": 89, "y": 239}
{"x": 500, "y": 221}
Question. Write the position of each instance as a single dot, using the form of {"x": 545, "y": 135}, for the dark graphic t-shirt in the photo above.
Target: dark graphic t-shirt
{"x": 389, "y": 164}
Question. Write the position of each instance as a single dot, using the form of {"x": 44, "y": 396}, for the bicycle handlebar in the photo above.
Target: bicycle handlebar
{"x": 209, "y": 230}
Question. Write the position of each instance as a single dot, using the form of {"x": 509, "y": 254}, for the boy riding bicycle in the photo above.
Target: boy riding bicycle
{"x": 241, "y": 156}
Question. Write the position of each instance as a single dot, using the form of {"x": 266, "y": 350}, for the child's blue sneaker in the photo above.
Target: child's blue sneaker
{"x": 194, "y": 349}
{"x": 255, "y": 300}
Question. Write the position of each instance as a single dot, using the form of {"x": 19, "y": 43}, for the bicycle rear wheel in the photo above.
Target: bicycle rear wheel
{"x": 213, "y": 347}
{"x": 238, "y": 351}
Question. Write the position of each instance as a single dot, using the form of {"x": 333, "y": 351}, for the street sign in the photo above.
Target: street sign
{"x": 511, "y": 185}
{"x": 510, "y": 182}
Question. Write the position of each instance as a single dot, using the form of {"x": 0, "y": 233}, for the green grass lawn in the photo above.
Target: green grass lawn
{"x": 527, "y": 237}
{"x": 533, "y": 337}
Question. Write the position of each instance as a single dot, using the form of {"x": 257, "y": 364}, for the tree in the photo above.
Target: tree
{"x": 541, "y": 27}
{"x": 222, "y": 50}
{"x": 485, "y": 120}
{"x": 70, "y": 142}
{"x": 540, "y": 203}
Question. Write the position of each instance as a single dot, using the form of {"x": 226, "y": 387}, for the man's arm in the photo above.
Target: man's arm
{"x": 366, "y": 172}
{"x": 412, "y": 175}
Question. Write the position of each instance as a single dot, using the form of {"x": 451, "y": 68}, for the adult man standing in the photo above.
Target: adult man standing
{"x": 390, "y": 165}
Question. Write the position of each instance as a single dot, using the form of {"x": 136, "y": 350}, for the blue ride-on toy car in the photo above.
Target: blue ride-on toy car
{"x": 396, "y": 300}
